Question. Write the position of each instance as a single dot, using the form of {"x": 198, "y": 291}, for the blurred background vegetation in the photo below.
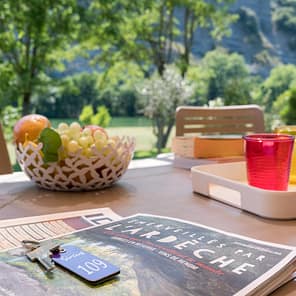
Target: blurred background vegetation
{"x": 127, "y": 64}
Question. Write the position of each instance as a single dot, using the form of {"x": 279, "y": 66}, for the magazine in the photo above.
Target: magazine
{"x": 158, "y": 256}
{"x": 13, "y": 231}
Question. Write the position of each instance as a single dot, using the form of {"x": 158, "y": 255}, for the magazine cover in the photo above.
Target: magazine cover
{"x": 157, "y": 256}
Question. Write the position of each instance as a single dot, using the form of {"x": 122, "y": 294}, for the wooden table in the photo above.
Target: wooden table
{"x": 161, "y": 190}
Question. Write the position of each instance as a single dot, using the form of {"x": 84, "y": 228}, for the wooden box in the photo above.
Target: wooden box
{"x": 208, "y": 147}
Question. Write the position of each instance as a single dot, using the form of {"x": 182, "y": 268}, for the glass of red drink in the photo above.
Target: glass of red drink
{"x": 268, "y": 160}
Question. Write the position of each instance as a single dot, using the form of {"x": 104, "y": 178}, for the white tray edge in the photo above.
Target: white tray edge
{"x": 227, "y": 183}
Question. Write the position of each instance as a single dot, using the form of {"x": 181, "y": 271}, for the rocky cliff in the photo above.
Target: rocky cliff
{"x": 255, "y": 35}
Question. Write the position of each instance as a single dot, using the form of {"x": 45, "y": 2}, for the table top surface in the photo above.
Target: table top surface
{"x": 161, "y": 190}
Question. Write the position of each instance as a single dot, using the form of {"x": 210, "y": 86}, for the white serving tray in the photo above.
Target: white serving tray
{"x": 227, "y": 182}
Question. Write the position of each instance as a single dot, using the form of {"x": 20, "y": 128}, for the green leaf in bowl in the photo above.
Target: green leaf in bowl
{"x": 51, "y": 141}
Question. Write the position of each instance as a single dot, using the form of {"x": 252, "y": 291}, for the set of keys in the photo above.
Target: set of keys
{"x": 85, "y": 265}
{"x": 41, "y": 252}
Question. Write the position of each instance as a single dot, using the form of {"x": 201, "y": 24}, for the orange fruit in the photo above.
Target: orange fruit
{"x": 29, "y": 128}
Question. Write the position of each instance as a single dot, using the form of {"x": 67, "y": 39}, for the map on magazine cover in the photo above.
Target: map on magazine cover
{"x": 157, "y": 256}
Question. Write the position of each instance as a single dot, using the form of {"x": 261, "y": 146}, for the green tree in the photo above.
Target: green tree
{"x": 31, "y": 34}
{"x": 148, "y": 32}
{"x": 281, "y": 78}
{"x": 9, "y": 115}
{"x": 7, "y": 85}
{"x": 284, "y": 15}
{"x": 226, "y": 76}
{"x": 162, "y": 95}
{"x": 117, "y": 88}
{"x": 66, "y": 97}
{"x": 213, "y": 15}
{"x": 86, "y": 115}
{"x": 291, "y": 114}
{"x": 102, "y": 117}
{"x": 285, "y": 106}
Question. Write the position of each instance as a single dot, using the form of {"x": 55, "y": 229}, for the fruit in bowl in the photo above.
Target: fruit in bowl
{"x": 29, "y": 127}
{"x": 70, "y": 157}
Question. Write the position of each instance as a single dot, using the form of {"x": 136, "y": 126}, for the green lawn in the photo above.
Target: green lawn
{"x": 130, "y": 121}
{"x": 11, "y": 152}
{"x": 145, "y": 139}
{"x": 115, "y": 121}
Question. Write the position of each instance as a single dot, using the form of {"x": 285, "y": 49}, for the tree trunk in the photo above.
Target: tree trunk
{"x": 162, "y": 135}
{"x": 26, "y": 103}
{"x": 159, "y": 136}
{"x": 161, "y": 67}
{"x": 189, "y": 19}
{"x": 167, "y": 134}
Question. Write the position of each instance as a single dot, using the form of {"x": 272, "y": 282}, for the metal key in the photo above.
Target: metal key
{"x": 41, "y": 251}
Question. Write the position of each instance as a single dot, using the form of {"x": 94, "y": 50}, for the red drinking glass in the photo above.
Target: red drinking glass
{"x": 268, "y": 158}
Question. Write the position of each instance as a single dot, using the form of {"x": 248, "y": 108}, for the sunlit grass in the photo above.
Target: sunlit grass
{"x": 145, "y": 140}
{"x": 115, "y": 121}
{"x": 130, "y": 121}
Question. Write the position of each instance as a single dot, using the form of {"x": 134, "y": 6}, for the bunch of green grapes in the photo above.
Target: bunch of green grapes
{"x": 75, "y": 138}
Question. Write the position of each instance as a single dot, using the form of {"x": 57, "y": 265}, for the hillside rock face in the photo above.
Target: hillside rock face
{"x": 254, "y": 36}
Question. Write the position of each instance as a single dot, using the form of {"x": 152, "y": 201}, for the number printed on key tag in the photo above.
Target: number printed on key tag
{"x": 89, "y": 267}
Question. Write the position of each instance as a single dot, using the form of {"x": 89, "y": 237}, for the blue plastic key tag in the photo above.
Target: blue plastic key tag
{"x": 85, "y": 265}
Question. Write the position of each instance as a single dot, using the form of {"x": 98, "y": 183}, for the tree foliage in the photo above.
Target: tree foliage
{"x": 281, "y": 78}
{"x": 9, "y": 115}
{"x": 148, "y": 32}
{"x": 31, "y": 32}
{"x": 66, "y": 98}
{"x": 117, "y": 91}
{"x": 291, "y": 114}
{"x": 86, "y": 114}
{"x": 224, "y": 75}
{"x": 162, "y": 95}
{"x": 102, "y": 117}
{"x": 284, "y": 15}
{"x": 285, "y": 106}
{"x": 7, "y": 85}
{"x": 125, "y": 42}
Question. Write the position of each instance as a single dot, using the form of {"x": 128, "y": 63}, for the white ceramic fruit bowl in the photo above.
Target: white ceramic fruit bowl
{"x": 77, "y": 172}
